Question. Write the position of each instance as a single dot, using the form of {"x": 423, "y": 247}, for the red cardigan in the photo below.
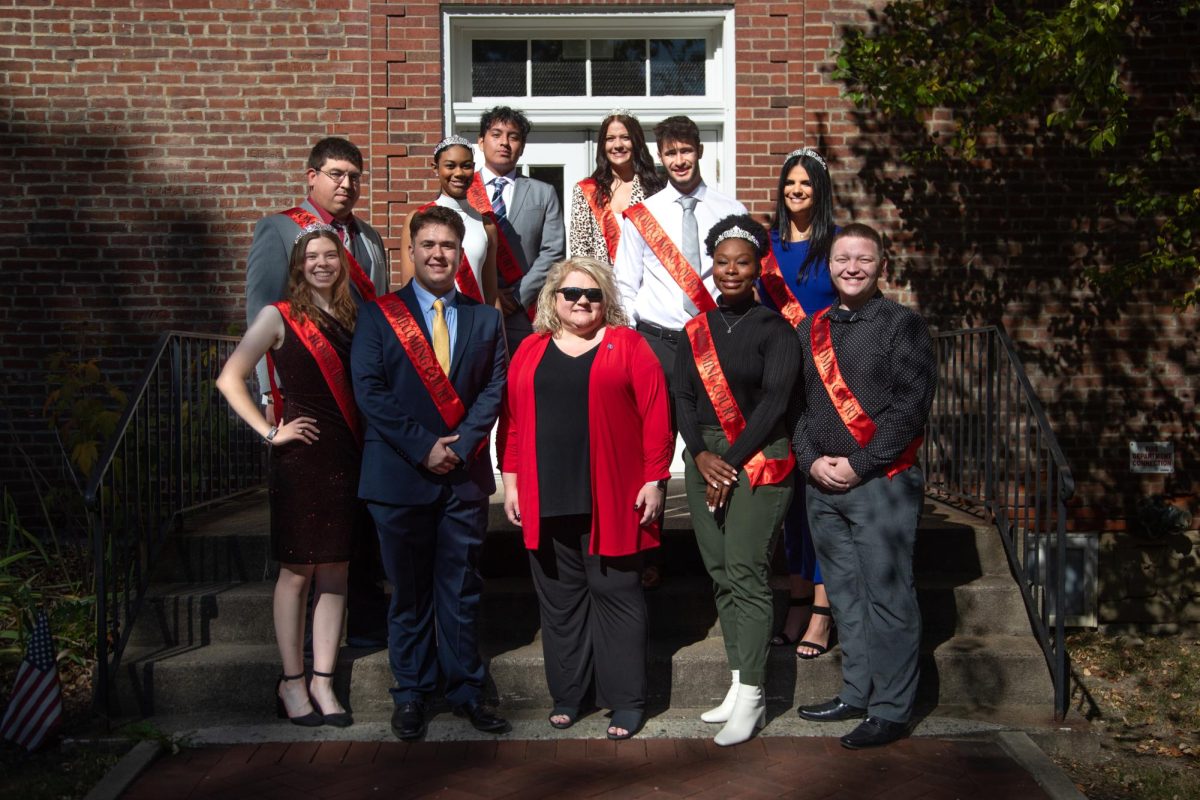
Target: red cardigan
{"x": 629, "y": 430}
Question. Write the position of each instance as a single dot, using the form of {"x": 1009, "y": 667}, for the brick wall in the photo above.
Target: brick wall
{"x": 142, "y": 140}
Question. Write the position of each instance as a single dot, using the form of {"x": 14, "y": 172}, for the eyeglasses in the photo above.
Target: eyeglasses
{"x": 573, "y": 293}
{"x": 337, "y": 176}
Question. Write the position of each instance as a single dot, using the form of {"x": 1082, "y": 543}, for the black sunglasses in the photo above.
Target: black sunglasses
{"x": 573, "y": 293}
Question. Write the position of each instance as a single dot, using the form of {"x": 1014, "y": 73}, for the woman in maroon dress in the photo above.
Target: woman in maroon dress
{"x": 314, "y": 462}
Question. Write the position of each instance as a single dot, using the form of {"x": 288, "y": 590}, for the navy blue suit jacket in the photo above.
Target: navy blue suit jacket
{"x": 401, "y": 421}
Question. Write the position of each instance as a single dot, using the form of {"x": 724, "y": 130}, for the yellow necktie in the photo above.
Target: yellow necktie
{"x": 441, "y": 336}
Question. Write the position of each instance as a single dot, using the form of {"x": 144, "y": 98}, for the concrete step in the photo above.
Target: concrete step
{"x": 232, "y": 544}
{"x": 230, "y": 613}
{"x": 961, "y": 672}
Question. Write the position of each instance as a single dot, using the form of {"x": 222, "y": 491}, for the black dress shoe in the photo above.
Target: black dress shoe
{"x": 482, "y": 719}
{"x": 874, "y": 732}
{"x": 833, "y": 711}
{"x": 408, "y": 720}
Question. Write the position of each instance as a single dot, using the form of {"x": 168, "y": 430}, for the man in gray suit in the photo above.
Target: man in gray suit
{"x": 334, "y": 174}
{"x": 527, "y": 212}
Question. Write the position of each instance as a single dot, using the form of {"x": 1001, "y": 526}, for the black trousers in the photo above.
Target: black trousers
{"x": 593, "y": 618}
{"x": 664, "y": 349}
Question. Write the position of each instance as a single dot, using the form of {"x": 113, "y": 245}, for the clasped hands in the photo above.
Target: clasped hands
{"x": 441, "y": 458}
{"x": 719, "y": 479}
{"x": 833, "y": 474}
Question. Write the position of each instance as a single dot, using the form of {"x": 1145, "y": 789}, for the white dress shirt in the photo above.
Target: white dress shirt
{"x": 648, "y": 292}
{"x": 487, "y": 176}
{"x": 475, "y": 244}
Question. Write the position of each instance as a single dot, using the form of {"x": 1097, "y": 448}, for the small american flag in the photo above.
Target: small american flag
{"x": 35, "y": 709}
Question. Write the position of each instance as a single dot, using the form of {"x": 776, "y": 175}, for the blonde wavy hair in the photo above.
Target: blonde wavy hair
{"x": 547, "y": 320}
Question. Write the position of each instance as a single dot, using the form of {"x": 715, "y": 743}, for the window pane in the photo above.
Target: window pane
{"x": 551, "y": 175}
{"x": 619, "y": 67}
{"x": 676, "y": 67}
{"x": 497, "y": 68}
{"x": 559, "y": 67}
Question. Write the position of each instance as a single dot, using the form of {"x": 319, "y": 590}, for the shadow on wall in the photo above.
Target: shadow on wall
{"x": 109, "y": 240}
{"x": 1009, "y": 238}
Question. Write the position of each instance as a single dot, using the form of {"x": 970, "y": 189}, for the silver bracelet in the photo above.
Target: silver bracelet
{"x": 270, "y": 437}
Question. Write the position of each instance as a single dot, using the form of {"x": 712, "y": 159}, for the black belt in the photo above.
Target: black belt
{"x": 667, "y": 334}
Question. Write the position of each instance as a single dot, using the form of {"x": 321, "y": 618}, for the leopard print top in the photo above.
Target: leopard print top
{"x": 586, "y": 237}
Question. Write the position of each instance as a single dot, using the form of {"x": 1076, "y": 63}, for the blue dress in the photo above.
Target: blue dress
{"x": 815, "y": 292}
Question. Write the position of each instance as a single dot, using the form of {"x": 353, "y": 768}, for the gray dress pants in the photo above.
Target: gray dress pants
{"x": 864, "y": 540}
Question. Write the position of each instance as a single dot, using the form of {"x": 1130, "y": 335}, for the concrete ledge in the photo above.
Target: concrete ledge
{"x": 125, "y": 771}
{"x": 1056, "y": 782}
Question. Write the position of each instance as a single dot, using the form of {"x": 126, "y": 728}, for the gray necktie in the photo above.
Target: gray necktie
{"x": 691, "y": 232}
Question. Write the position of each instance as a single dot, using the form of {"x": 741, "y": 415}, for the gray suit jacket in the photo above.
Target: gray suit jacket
{"x": 267, "y": 265}
{"x": 534, "y": 229}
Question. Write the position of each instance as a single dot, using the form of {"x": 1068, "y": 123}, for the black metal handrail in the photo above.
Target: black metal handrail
{"x": 175, "y": 449}
{"x": 990, "y": 448}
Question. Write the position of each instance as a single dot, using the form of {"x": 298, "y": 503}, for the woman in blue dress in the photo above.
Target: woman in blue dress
{"x": 796, "y": 283}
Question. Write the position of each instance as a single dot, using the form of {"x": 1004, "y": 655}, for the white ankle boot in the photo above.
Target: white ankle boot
{"x": 721, "y": 712}
{"x": 748, "y": 715}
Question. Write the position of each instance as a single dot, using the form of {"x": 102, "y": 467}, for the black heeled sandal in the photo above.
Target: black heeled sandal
{"x": 572, "y": 715}
{"x": 627, "y": 719}
{"x": 310, "y": 720}
{"x": 780, "y": 639}
{"x": 341, "y": 719}
{"x": 820, "y": 611}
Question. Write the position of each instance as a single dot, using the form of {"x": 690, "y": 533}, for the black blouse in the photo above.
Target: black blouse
{"x": 560, "y": 390}
{"x": 760, "y": 356}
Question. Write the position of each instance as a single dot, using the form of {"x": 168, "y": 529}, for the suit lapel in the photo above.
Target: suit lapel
{"x": 466, "y": 324}
{"x": 520, "y": 187}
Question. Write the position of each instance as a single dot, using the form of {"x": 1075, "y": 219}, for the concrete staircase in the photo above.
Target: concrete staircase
{"x": 205, "y": 643}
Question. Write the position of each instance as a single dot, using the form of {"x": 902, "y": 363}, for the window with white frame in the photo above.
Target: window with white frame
{"x": 625, "y": 67}
{"x": 555, "y": 61}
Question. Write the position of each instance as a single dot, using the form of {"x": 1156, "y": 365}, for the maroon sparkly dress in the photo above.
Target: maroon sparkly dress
{"x": 313, "y": 488}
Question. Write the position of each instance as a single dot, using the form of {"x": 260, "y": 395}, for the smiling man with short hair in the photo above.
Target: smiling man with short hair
{"x": 428, "y": 368}
{"x": 869, "y": 375}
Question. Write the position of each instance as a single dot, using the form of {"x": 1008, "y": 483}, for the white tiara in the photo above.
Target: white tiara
{"x": 620, "y": 112}
{"x": 313, "y": 228}
{"x": 451, "y": 141}
{"x": 808, "y": 151}
{"x": 737, "y": 233}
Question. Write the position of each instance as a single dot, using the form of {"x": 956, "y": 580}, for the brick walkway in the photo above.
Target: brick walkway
{"x": 766, "y": 767}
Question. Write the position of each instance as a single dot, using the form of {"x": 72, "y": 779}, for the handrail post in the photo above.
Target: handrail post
{"x": 177, "y": 408}
{"x": 101, "y": 573}
{"x": 989, "y": 435}
{"x": 1061, "y": 696}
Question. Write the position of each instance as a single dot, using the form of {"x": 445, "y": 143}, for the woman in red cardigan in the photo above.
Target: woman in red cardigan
{"x": 585, "y": 449}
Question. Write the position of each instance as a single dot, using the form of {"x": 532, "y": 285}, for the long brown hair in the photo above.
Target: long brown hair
{"x": 341, "y": 306}
{"x": 643, "y": 162}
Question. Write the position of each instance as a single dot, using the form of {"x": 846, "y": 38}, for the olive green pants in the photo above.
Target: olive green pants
{"x": 736, "y": 544}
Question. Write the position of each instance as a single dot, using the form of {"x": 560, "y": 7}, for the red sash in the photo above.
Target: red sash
{"x": 604, "y": 215}
{"x": 465, "y": 277}
{"x": 328, "y": 362}
{"x": 777, "y": 288}
{"x": 759, "y": 468}
{"x": 861, "y": 426}
{"x": 421, "y": 354}
{"x": 668, "y": 254}
{"x": 506, "y": 262}
{"x": 366, "y": 289}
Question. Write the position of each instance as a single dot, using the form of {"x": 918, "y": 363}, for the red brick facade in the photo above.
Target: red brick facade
{"x": 142, "y": 140}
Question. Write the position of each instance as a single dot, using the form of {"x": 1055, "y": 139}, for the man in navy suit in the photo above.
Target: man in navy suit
{"x": 429, "y": 366}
